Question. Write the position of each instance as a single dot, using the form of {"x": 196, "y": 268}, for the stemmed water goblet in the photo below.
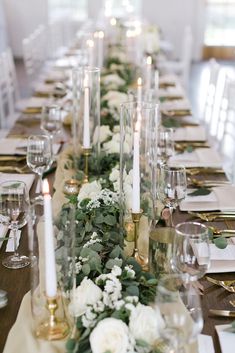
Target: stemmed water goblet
{"x": 165, "y": 145}
{"x": 191, "y": 250}
{"x": 39, "y": 157}
{"x": 172, "y": 187}
{"x": 14, "y": 204}
{"x": 180, "y": 307}
{"x": 51, "y": 121}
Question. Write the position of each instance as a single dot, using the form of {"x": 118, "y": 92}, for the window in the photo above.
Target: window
{"x": 73, "y": 9}
{"x": 121, "y": 8}
{"x": 220, "y": 28}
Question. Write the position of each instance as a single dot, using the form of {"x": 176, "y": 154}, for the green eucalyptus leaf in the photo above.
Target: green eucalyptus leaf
{"x": 112, "y": 262}
{"x": 70, "y": 344}
{"x": 220, "y": 242}
{"x": 86, "y": 269}
{"x": 189, "y": 149}
{"x": 115, "y": 252}
{"x": 110, "y": 220}
{"x": 133, "y": 290}
{"x": 200, "y": 192}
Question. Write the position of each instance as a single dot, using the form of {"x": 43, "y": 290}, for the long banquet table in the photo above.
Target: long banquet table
{"x": 17, "y": 282}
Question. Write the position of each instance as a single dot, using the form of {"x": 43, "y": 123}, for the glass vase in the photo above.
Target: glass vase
{"x": 86, "y": 114}
{"x": 138, "y": 125}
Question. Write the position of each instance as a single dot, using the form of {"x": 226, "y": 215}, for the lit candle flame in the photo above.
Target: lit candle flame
{"x": 45, "y": 187}
{"x": 90, "y": 43}
{"x": 139, "y": 81}
{"x": 149, "y": 60}
{"x": 113, "y": 21}
{"x": 101, "y": 34}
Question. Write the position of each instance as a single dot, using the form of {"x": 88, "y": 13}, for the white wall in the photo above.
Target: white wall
{"x": 23, "y": 17}
{"x": 173, "y": 15}
{"x": 3, "y": 29}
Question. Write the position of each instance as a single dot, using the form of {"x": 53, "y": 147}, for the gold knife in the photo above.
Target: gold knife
{"x": 224, "y": 313}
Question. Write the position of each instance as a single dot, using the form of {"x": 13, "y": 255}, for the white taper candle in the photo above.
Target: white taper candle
{"x": 50, "y": 266}
{"x": 86, "y": 116}
{"x": 136, "y": 173}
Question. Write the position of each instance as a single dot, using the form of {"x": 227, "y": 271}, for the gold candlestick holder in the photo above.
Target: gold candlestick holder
{"x": 52, "y": 328}
{"x": 139, "y": 258}
{"x": 86, "y": 152}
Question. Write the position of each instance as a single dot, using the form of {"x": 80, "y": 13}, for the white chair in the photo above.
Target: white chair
{"x": 211, "y": 92}
{"x": 8, "y": 91}
{"x": 182, "y": 66}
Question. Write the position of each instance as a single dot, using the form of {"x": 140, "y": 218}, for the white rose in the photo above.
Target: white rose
{"x": 113, "y": 80}
{"x": 115, "y": 98}
{"x": 89, "y": 190}
{"x": 112, "y": 147}
{"x": 87, "y": 293}
{"x": 105, "y": 132}
{"x": 114, "y": 175}
{"x": 145, "y": 322}
{"x": 128, "y": 196}
{"x": 110, "y": 335}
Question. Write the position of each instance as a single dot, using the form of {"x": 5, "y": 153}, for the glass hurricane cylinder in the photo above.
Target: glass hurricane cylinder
{"x": 39, "y": 307}
{"x": 86, "y": 108}
{"x": 138, "y": 129}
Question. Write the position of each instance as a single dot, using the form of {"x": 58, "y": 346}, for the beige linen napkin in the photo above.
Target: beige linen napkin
{"x": 3, "y": 232}
{"x": 190, "y": 133}
{"x": 32, "y": 102}
{"x": 182, "y": 104}
{"x": 26, "y": 178}
{"x": 226, "y": 339}
{"x": 200, "y": 157}
{"x": 221, "y": 198}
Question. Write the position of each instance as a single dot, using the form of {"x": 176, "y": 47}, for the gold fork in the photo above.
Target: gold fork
{"x": 198, "y": 170}
{"x": 228, "y": 285}
{"x": 209, "y": 217}
{"x": 20, "y": 170}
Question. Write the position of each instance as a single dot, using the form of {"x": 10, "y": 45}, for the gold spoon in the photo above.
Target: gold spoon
{"x": 207, "y": 182}
{"x": 228, "y": 232}
{"x": 228, "y": 285}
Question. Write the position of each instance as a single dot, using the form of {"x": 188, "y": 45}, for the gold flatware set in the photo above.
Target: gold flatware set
{"x": 204, "y": 170}
{"x": 212, "y": 216}
{"x": 206, "y": 183}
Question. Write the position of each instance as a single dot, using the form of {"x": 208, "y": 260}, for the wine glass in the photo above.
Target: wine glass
{"x": 191, "y": 250}
{"x": 172, "y": 187}
{"x": 165, "y": 145}
{"x": 39, "y": 156}
{"x": 51, "y": 121}
{"x": 14, "y": 204}
{"x": 180, "y": 307}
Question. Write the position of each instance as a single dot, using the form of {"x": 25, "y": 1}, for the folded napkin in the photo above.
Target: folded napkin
{"x": 169, "y": 79}
{"x": 31, "y": 103}
{"x": 221, "y": 198}
{"x": 190, "y": 133}
{"x": 10, "y": 243}
{"x": 11, "y": 146}
{"x": 181, "y": 104}
{"x": 200, "y": 157}
{"x": 205, "y": 344}
{"x": 56, "y": 76}
{"x": 171, "y": 92}
{"x": 26, "y": 178}
{"x": 226, "y": 339}
{"x": 3, "y": 232}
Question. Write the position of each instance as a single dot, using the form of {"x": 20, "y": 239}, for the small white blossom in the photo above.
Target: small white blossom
{"x": 130, "y": 272}
{"x": 116, "y": 271}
